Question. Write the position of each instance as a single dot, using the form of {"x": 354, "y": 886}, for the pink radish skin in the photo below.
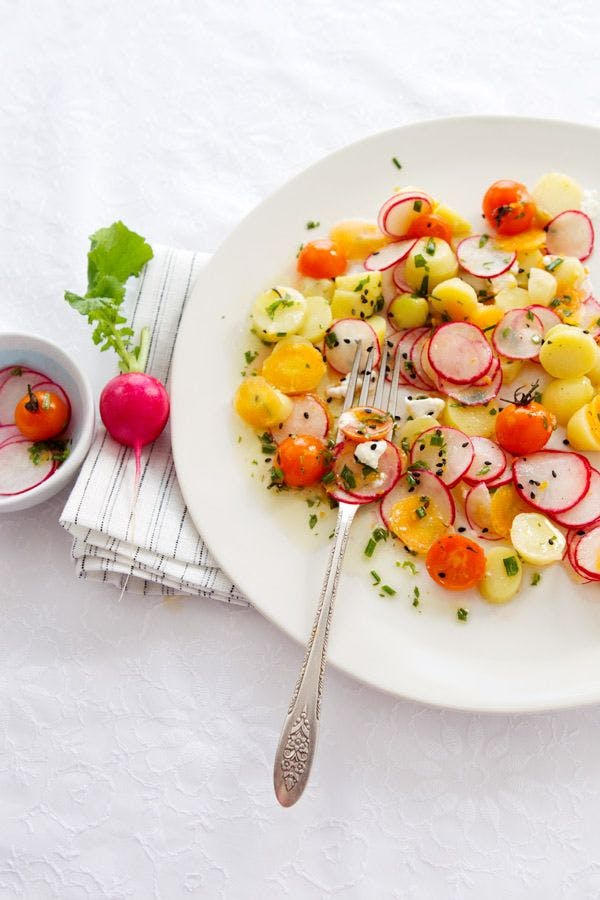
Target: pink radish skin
{"x": 389, "y": 256}
{"x": 570, "y": 233}
{"x": 585, "y": 513}
{"x": 428, "y": 485}
{"x": 478, "y": 500}
{"x": 422, "y": 382}
{"x": 547, "y": 316}
{"x": 459, "y": 352}
{"x": 451, "y": 459}
{"x": 398, "y": 212}
{"x": 18, "y": 473}
{"x": 484, "y": 260}
{"x": 554, "y": 493}
{"x": 518, "y": 334}
{"x": 388, "y": 471}
{"x": 340, "y": 356}
{"x": 399, "y": 280}
{"x": 14, "y": 389}
{"x": 586, "y": 554}
{"x": 489, "y": 458}
{"x": 474, "y": 394}
{"x": 308, "y": 416}
{"x": 403, "y": 345}
{"x": 134, "y": 408}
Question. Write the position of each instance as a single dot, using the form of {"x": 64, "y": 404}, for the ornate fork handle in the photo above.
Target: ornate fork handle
{"x": 296, "y": 748}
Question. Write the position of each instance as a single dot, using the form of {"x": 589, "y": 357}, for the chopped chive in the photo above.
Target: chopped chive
{"x": 535, "y": 578}
{"x": 312, "y": 521}
{"x": 408, "y": 564}
{"x": 511, "y": 565}
{"x": 310, "y": 225}
{"x": 388, "y": 590}
{"x": 370, "y": 548}
{"x": 462, "y": 614}
{"x": 396, "y": 162}
{"x": 376, "y": 578}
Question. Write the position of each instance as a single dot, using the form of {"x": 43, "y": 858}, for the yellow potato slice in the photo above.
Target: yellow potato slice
{"x": 473, "y": 420}
{"x": 497, "y": 586}
{"x": 536, "y": 539}
{"x": 260, "y": 404}
{"x": 568, "y": 352}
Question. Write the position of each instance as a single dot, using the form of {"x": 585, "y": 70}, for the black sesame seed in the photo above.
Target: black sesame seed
{"x": 346, "y": 340}
{"x": 441, "y": 574}
{"x": 566, "y": 442}
{"x": 421, "y": 447}
{"x": 306, "y": 416}
{"x": 409, "y": 396}
{"x": 461, "y": 528}
{"x": 487, "y": 462}
{"x": 440, "y": 453}
{"x": 484, "y": 530}
{"x": 553, "y": 473}
{"x": 466, "y": 444}
{"x": 373, "y": 446}
{"x": 520, "y": 486}
{"x": 532, "y": 495}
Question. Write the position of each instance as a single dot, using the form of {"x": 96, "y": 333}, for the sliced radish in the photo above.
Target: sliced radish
{"x": 421, "y": 380}
{"x": 489, "y": 461}
{"x": 547, "y": 316}
{"x": 399, "y": 279}
{"x": 478, "y": 510}
{"x": 361, "y": 482}
{"x": 308, "y": 416}
{"x": 478, "y": 255}
{"x": 445, "y": 451}
{"x": 9, "y": 433}
{"x": 588, "y": 315}
{"x": 428, "y": 372}
{"x": 573, "y": 539}
{"x": 552, "y": 480}
{"x": 17, "y": 472}
{"x": 400, "y": 210}
{"x": 404, "y": 345}
{"x": 587, "y": 554}
{"x": 518, "y": 334}
{"x": 53, "y": 388}
{"x": 459, "y": 352}
{"x": 340, "y": 344}
{"x": 477, "y": 394}
{"x": 501, "y": 480}
{"x": 571, "y": 233}
{"x": 587, "y": 511}
{"x": 389, "y": 256}
{"x": 425, "y": 483}
{"x": 388, "y": 289}
{"x": 14, "y": 389}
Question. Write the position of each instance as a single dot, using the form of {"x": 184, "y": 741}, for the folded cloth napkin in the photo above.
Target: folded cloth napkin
{"x": 150, "y": 546}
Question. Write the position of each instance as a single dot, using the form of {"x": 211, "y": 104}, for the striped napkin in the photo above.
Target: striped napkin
{"x": 152, "y": 546}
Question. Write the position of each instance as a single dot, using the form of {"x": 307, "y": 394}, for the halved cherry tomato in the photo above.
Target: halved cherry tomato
{"x": 524, "y": 428}
{"x": 41, "y": 415}
{"x": 455, "y": 562}
{"x": 321, "y": 259}
{"x": 429, "y": 225}
{"x": 365, "y": 423}
{"x": 303, "y": 460}
{"x": 508, "y": 207}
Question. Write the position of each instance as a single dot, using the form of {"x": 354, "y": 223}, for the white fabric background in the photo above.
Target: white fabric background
{"x": 137, "y": 738}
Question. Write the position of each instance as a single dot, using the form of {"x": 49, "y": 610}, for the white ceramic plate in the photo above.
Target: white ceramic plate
{"x": 541, "y": 651}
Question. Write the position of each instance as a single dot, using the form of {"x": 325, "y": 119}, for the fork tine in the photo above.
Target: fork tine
{"x": 380, "y": 386}
{"x": 366, "y": 385}
{"x": 393, "y": 397}
{"x": 353, "y": 378}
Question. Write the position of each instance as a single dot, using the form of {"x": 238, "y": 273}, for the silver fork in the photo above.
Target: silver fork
{"x": 296, "y": 748}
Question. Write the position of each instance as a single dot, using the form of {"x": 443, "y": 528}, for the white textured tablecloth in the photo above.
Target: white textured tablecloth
{"x": 137, "y": 738}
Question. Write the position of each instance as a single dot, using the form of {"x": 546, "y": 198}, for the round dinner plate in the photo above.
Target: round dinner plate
{"x": 541, "y": 651}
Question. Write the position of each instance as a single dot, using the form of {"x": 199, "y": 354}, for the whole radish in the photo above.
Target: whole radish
{"x": 134, "y": 408}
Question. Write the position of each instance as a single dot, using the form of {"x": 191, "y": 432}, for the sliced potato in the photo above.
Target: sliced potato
{"x": 473, "y": 420}
{"x": 357, "y": 296}
{"x": 554, "y": 193}
{"x": 497, "y": 586}
{"x": 581, "y": 432}
{"x": 357, "y": 238}
{"x": 408, "y": 311}
{"x": 277, "y": 313}
{"x": 536, "y": 539}
{"x": 568, "y": 271}
{"x": 510, "y": 369}
{"x": 460, "y": 227}
{"x": 454, "y": 299}
{"x": 541, "y": 286}
{"x": 512, "y": 298}
{"x": 410, "y": 430}
{"x": 568, "y": 352}
{"x": 379, "y": 326}
{"x": 430, "y": 261}
{"x": 316, "y": 287}
{"x": 317, "y": 320}
{"x": 260, "y": 404}
{"x": 564, "y": 396}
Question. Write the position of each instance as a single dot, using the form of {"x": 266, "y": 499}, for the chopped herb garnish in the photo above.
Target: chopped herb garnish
{"x": 483, "y": 240}
{"x": 312, "y": 521}
{"x": 405, "y": 444}
{"x": 284, "y": 302}
{"x": 348, "y": 479}
{"x": 327, "y": 478}
{"x": 408, "y": 564}
{"x": 421, "y": 262}
{"x": 511, "y": 565}
{"x": 381, "y": 534}
{"x": 424, "y": 289}
{"x": 437, "y": 440}
{"x": 396, "y": 162}
{"x": 250, "y": 356}
{"x": 376, "y": 578}
{"x": 310, "y": 225}
{"x": 331, "y": 339}
{"x": 388, "y": 590}
{"x": 420, "y": 512}
{"x": 370, "y": 548}
{"x": 17, "y": 371}
{"x": 483, "y": 471}
{"x": 462, "y": 614}
{"x": 535, "y": 578}
{"x": 416, "y": 596}
{"x": 554, "y": 264}
{"x": 55, "y": 449}
{"x": 430, "y": 247}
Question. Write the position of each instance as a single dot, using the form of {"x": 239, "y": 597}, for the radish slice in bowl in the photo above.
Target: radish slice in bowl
{"x": 14, "y": 389}
{"x": 9, "y": 433}
{"x": 587, "y": 511}
{"x": 518, "y": 334}
{"x": 552, "y": 481}
{"x": 308, "y": 416}
{"x": 340, "y": 344}
{"x": 459, "y": 352}
{"x": 489, "y": 461}
{"x": 478, "y": 510}
{"x": 445, "y": 451}
{"x": 360, "y": 481}
{"x": 17, "y": 471}
{"x": 425, "y": 483}
{"x": 400, "y": 210}
{"x": 52, "y": 388}
{"x": 571, "y": 233}
{"x": 389, "y": 256}
{"x": 478, "y": 255}
{"x": 477, "y": 394}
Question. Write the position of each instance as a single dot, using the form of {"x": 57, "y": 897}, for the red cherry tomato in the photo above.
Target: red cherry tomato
{"x": 430, "y": 225}
{"x": 524, "y": 428}
{"x": 455, "y": 562}
{"x": 303, "y": 460}
{"x": 321, "y": 259}
{"x": 508, "y": 207}
{"x": 41, "y": 415}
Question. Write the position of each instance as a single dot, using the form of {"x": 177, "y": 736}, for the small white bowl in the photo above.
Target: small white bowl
{"x": 45, "y": 356}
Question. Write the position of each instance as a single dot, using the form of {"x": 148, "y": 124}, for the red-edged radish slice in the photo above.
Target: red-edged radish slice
{"x": 404, "y": 345}
{"x": 552, "y": 480}
{"x": 587, "y": 554}
{"x": 571, "y": 233}
{"x": 478, "y": 255}
{"x": 399, "y": 279}
{"x": 547, "y": 316}
{"x": 478, "y": 510}
{"x": 489, "y": 461}
{"x": 53, "y": 388}
{"x": 336, "y": 493}
{"x": 340, "y": 344}
{"x": 17, "y": 472}
{"x": 445, "y": 451}
{"x": 422, "y": 381}
{"x": 388, "y": 289}
{"x": 505, "y": 478}
{"x": 588, "y": 315}
{"x": 518, "y": 334}
{"x": 428, "y": 373}
{"x": 425, "y": 483}
{"x": 14, "y": 389}
{"x": 368, "y": 485}
{"x": 573, "y": 538}
{"x": 477, "y": 394}
{"x": 587, "y": 511}
{"x": 459, "y": 352}
{"x": 9, "y": 433}
{"x": 389, "y": 256}
{"x": 308, "y": 416}
{"x": 400, "y": 210}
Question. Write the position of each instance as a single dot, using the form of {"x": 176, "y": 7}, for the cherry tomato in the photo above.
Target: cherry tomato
{"x": 365, "y": 423}
{"x": 41, "y": 415}
{"x": 303, "y": 460}
{"x": 321, "y": 259}
{"x": 455, "y": 562}
{"x": 524, "y": 428}
{"x": 508, "y": 207}
{"x": 430, "y": 225}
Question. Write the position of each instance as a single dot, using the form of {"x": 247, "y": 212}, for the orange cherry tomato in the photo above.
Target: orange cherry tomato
{"x": 524, "y": 428}
{"x": 41, "y": 415}
{"x": 321, "y": 259}
{"x": 303, "y": 460}
{"x": 365, "y": 423}
{"x": 455, "y": 562}
{"x": 508, "y": 207}
{"x": 430, "y": 225}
